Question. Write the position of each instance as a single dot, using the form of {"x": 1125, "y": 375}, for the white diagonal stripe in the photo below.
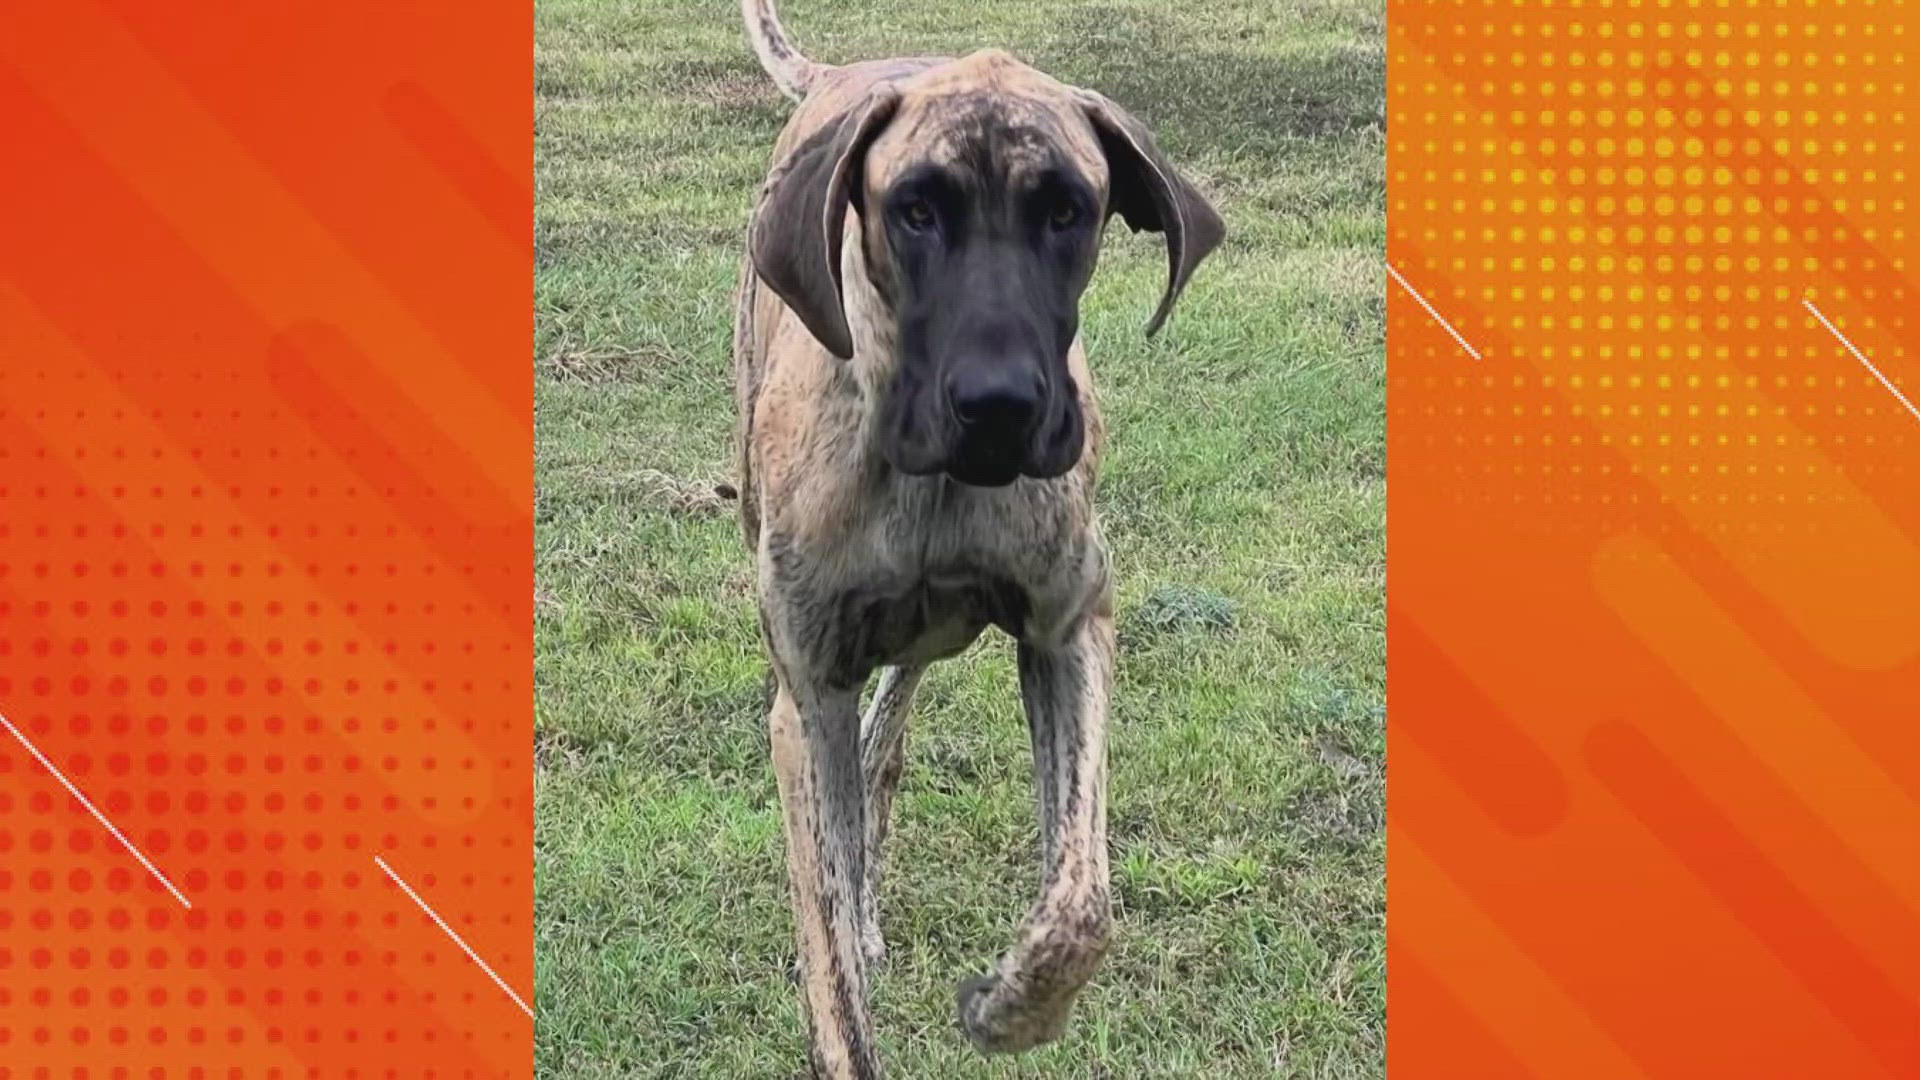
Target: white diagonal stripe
{"x": 1415, "y": 293}
{"x": 1862, "y": 357}
{"x": 457, "y": 940}
{"x": 97, "y": 815}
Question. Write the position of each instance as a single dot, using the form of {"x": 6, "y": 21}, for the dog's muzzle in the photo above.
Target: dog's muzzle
{"x": 986, "y": 423}
{"x": 995, "y": 406}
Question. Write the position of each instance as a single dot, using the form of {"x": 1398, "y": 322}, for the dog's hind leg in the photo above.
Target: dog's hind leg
{"x": 883, "y": 740}
{"x": 1025, "y": 1001}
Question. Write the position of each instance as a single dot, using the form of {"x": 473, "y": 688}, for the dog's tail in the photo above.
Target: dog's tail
{"x": 791, "y": 72}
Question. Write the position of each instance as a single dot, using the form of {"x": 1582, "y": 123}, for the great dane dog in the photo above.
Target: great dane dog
{"x": 918, "y": 437}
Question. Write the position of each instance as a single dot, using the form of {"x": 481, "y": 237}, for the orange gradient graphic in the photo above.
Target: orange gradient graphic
{"x": 1654, "y": 621}
{"x": 265, "y": 541}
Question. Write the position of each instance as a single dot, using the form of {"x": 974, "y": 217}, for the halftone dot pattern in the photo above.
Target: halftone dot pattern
{"x": 1655, "y": 613}
{"x": 265, "y": 541}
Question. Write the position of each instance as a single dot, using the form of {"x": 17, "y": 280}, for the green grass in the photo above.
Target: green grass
{"x": 1244, "y": 498}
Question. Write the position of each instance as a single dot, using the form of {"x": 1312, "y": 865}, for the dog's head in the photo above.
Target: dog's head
{"x": 981, "y": 187}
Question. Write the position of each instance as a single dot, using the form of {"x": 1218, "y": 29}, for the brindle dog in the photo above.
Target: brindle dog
{"x": 918, "y": 438}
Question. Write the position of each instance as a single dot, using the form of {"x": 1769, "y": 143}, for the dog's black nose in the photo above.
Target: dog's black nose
{"x": 1000, "y": 395}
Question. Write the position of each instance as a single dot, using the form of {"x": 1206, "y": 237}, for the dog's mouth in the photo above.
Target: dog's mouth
{"x": 987, "y": 466}
{"x": 922, "y": 438}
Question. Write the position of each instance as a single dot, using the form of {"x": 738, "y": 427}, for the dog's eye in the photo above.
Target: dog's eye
{"x": 917, "y": 214}
{"x": 1063, "y": 215}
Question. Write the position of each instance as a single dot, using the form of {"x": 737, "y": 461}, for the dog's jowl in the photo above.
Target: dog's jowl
{"x": 918, "y": 441}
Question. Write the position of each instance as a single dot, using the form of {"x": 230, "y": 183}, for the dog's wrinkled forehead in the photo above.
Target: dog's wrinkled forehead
{"x": 992, "y": 120}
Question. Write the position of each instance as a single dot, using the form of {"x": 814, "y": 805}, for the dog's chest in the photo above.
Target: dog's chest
{"x": 928, "y": 619}
{"x": 944, "y": 565}
{"x": 913, "y": 569}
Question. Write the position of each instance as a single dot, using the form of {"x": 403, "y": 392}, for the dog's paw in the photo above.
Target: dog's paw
{"x": 994, "y": 1024}
{"x": 968, "y": 1001}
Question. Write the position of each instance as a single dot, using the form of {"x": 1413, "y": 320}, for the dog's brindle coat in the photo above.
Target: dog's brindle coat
{"x": 918, "y": 438}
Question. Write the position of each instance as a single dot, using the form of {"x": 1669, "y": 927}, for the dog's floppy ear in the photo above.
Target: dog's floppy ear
{"x": 795, "y": 239}
{"x": 1151, "y": 194}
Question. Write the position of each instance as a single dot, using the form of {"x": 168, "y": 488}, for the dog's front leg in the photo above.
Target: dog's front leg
{"x": 1026, "y": 1000}
{"x": 814, "y": 730}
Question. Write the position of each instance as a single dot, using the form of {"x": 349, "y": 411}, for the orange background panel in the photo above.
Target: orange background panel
{"x": 1654, "y": 628}
{"x": 265, "y": 538}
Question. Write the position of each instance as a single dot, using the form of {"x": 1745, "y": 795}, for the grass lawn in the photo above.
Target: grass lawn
{"x": 1243, "y": 496}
